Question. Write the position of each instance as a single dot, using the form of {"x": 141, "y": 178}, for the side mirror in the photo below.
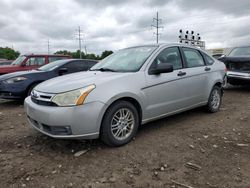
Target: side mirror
{"x": 162, "y": 68}
{"x": 62, "y": 71}
{"x": 223, "y": 55}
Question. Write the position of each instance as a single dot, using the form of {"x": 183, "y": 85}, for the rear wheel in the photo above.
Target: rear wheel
{"x": 120, "y": 124}
{"x": 214, "y": 101}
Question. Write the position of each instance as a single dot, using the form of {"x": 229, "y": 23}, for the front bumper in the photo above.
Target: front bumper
{"x": 238, "y": 77}
{"x": 78, "y": 122}
{"x": 11, "y": 91}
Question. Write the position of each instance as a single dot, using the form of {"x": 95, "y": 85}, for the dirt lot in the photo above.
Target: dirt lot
{"x": 216, "y": 145}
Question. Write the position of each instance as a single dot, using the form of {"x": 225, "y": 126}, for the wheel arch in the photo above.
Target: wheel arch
{"x": 128, "y": 98}
{"x": 32, "y": 84}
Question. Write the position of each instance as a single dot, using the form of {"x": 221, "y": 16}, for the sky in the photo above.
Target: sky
{"x": 27, "y": 25}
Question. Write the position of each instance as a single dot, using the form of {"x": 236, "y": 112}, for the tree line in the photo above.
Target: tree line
{"x": 10, "y": 54}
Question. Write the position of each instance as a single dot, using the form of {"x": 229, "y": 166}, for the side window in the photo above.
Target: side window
{"x": 208, "y": 59}
{"x": 169, "y": 55}
{"x": 193, "y": 58}
{"x": 91, "y": 64}
{"x": 76, "y": 66}
{"x": 51, "y": 59}
{"x": 35, "y": 61}
{"x": 83, "y": 65}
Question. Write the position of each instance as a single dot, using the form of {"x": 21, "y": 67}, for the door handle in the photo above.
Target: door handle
{"x": 181, "y": 73}
{"x": 207, "y": 69}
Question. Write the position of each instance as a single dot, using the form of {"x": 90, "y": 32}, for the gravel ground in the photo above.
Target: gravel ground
{"x": 191, "y": 149}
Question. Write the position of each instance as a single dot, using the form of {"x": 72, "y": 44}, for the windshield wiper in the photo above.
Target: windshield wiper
{"x": 104, "y": 70}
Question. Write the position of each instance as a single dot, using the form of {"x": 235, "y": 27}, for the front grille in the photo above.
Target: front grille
{"x": 43, "y": 99}
{"x": 43, "y": 103}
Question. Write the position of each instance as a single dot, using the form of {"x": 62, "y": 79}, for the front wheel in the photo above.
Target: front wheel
{"x": 30, "y": 89}
{"x": 214, "y": 101}
{"x": 120, "y": 124}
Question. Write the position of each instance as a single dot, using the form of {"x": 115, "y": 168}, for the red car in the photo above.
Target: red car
{"x": 5, "y": 62}
{"x": 29, "y": 62}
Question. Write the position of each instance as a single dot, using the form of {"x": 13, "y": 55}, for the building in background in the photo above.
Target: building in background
{"x": 224, "y": 51}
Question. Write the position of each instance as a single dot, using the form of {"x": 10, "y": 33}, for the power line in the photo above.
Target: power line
{"x": 157, "y": 22}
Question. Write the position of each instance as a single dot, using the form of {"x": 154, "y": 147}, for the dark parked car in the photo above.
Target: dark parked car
{"x": 29, "y": 62}
{"x": 18, "y": 85}
{"x": 238, "y": 66}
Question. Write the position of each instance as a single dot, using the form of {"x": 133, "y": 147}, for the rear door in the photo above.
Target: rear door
{"x": 196, "y": 76}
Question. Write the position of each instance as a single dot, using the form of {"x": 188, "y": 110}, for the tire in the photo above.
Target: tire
{"x": 214, "y": 101}
{"x": 120, "y": 124}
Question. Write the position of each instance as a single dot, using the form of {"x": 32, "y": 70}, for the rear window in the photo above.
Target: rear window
{"x": 208, "y": 59}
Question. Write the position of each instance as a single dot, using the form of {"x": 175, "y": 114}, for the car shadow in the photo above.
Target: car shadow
{"x": 237, "y": 88}
{"x": 39, "y": 143}
{"x": 10, "y": 103}
{"x": 176, "y": 120}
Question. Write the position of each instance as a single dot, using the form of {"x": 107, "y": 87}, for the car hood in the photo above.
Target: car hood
{"x": 9, "y": 68}
{"x": 77, "y": 80}
{"x": 15, "y": 74}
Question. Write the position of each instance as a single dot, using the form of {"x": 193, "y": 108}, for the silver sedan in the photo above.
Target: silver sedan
{"x": 128, "y": 88}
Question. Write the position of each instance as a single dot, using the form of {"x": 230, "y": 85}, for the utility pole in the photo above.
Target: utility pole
{"x": 48, "y": 46}
{"x": 80, "y": 38}
{"x": 85, "y": 50}
{"x": 80, "y": 45}
{"x": 156, "y": 25}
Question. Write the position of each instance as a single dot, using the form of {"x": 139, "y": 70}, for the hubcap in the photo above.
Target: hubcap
{"x": 215, "y": 100}
{"x": 122, "y": 123}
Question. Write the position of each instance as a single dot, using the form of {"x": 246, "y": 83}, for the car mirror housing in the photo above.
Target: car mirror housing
{"x": 162, "y": 68}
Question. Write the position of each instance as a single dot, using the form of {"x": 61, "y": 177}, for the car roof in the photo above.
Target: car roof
{"x": 51, "y": 55}
{"x": 165, "y": 45}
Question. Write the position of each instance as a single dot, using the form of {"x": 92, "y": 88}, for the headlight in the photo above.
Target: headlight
{"x": 15, "y": 79}
{"x": 72, "y": 98}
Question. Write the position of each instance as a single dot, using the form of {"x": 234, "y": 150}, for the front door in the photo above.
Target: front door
{"x": 166, "y": 92}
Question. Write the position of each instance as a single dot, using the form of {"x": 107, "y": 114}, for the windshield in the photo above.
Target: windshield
{"x": 52, "y": 65}
{"x": 19, "y": 60}
{"x": 242, "y": 51}
{"x": 126, "y": 60}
